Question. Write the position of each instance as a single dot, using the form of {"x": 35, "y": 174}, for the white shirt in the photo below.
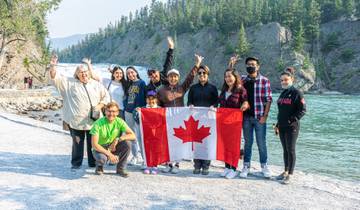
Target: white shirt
{"x": 116, "y": 91}
{"x": 76, "y": 104}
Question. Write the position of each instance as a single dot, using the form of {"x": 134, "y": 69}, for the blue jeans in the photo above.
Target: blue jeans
{"x": 251, "y": 124}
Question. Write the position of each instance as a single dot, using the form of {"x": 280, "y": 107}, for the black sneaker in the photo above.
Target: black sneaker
{"x": 99, "y": 170}
{"x": 286, "y": 180}
{"x": 196, "y": 171}
{"x": 122, "y": 173}
{"x": 75, "y": 167}
{"x": 281, "y": 176}
{"x": 205, "y": 171}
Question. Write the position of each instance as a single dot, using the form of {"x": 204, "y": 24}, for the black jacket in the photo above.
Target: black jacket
{"x": 163, "y": 77}
{"x": 291, "y": 106}
{"x": 203, "y": 95}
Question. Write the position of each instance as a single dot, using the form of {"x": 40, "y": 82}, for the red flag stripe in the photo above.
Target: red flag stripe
{"x": 155, "y": 139}
{"x": 228, "y": 127}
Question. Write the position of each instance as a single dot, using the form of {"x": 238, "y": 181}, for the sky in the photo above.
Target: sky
{"x": 87, "y": 16}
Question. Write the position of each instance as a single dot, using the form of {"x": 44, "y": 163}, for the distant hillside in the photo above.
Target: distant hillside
{"x": 64, "y": 42}
{"x": 318, "y": 37}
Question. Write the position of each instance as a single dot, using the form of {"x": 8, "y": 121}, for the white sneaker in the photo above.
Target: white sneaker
{"x": 167, "y": 169}
{"x": 175, "y": 170}
{"x": 232, "y": 174}
{"x": 244, "y": 172}
{"x": 133, "y": 161}
{"x": 226, "y": 171}
{"x": 266, "y": 171}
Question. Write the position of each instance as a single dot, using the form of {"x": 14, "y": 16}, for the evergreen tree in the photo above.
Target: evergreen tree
{"x": 243, "y": 45}
{"x": 299, "y": 39}
{"x": 349, "y": 7}
{"x": 313, "y": 21}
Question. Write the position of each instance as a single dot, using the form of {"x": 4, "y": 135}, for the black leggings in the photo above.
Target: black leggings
{"x": 288, "y": 137}
{"x": 77, "y": 153}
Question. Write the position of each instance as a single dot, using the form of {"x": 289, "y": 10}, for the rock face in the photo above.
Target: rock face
{"x": 339, "y": 56}
{"x": 270, "y": 43}
{"x": 13, "y": 71}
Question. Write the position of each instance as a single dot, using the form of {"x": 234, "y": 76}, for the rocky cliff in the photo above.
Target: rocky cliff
{"x": 18, "y": 62}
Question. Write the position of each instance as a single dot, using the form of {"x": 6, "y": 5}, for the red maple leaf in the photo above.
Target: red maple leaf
{"x": 192, "y": 133}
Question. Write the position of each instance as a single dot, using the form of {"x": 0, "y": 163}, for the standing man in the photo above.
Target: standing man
{"x": 259, "y": 98}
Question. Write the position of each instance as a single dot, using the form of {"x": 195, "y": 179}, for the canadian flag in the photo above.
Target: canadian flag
{"x": 173, "y": 134}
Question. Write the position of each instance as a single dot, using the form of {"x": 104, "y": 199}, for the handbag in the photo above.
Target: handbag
{"x": 94, "y": 115}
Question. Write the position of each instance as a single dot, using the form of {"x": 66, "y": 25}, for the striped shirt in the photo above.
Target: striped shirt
{"x": 262, "y": 93}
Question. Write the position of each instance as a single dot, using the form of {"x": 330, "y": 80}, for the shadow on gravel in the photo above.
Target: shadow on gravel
{"x": 29, "y": 197}
{"x": 40, "y": 165}
{"x": 176, "y": 203}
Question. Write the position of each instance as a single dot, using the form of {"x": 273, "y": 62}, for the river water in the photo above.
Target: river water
{"x": 329, "y": 140}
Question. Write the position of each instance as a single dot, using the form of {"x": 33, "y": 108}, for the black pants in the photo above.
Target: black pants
{"x": 122, "y": 151}
{"x": 204, "y": 164}
{"x": 288, "y": 137}
{"x": 77, "y": 154}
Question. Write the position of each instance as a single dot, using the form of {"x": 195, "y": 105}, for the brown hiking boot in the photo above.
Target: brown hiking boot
{"x": 99, "y": 170}
{"x": 122, "y": 173}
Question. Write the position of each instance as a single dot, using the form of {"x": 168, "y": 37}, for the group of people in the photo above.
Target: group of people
{"x": 28, "y": 82}
{"x": 111, "y": 139}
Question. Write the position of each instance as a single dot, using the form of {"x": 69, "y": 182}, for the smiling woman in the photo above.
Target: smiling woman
{"x": 82, "y": 95}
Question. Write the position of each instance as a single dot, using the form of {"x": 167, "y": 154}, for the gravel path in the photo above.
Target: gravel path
{"x": 35, "y": 174}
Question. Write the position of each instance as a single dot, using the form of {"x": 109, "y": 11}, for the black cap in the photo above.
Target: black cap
{"x": 252, "y": 58}
{"x": 150, "y": 71}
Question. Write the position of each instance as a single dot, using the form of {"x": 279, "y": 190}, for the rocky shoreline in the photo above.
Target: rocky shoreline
{"x": 40, "y": 104}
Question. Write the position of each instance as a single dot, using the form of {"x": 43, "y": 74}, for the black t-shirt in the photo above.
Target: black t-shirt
{"x": 249, "y": 86}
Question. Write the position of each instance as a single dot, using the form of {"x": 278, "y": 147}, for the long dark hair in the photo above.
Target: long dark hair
{"x": 238, "y": 83}
{"x": 123, "y": 80}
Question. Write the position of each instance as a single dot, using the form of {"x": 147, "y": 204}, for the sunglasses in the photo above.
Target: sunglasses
{"x": 201, "y": 72}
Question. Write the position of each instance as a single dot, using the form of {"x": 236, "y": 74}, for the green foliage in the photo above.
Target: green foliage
{"x": 349, "y": 7}
{"x": 347, "y": 55}
{"x": 307, "y": 62}
{"x": 331, "y": 43}
{"x": 243, "y": 45}
{"x": 312, "y": 26}
{"x": 189, "y": 16}
{"x": 229, "y": 49}
{"x": 280, "y": 65}
{"x": 299, "y": 39}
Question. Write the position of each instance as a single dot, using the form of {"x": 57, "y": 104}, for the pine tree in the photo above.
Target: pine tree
{"x": 349, "y": 7}
{"x": 357, "y": 13}
{"x": 243, "y": 45}
{"x": 299, "y": 40}
{"x": 313, "y": 21}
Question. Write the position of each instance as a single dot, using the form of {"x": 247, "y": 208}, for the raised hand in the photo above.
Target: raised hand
{"x": 86, "y": 61}
{"x": 170, "y": 42}
{"x": 198, "y": 60}
{"x": 233, "y": 60}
